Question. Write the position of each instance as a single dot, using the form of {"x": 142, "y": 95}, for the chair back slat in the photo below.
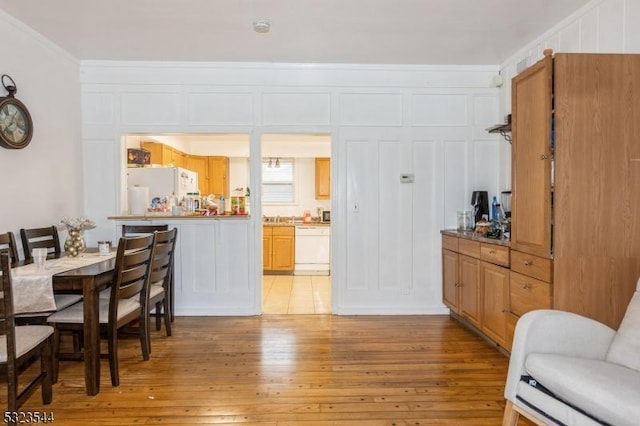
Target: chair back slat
{"x": 8, "y": 242}
{"x": 163, "y": 256}
{"x": 46, "y": 237}
{"x": 131, "y": 273}
{"x": 130, "y": 230}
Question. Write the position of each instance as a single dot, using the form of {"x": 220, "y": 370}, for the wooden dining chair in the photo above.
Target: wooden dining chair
{"x": 8, "y": 242}
{"x": 130, "y": 230}
{"x": 160, "y": 280}
{"x": 128, "y": 303}
{"x": 46, "y": 237}
{"x": 21, "y": 346}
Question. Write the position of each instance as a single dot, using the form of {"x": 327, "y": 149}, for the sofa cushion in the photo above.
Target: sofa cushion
{"x": 607, "y": 391}
{"x": 625, "y": 348}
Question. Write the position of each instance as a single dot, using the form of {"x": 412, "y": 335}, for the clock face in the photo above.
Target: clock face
{"x": 15, "y": 124}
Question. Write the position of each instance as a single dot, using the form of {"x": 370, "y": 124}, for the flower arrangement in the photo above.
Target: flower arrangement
{"x": 74, "y": 245}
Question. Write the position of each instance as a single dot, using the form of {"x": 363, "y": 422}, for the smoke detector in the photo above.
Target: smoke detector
{"x": 261, "y": 26}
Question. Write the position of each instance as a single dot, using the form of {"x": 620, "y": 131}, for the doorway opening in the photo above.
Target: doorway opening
{"x": 296, "y": 231}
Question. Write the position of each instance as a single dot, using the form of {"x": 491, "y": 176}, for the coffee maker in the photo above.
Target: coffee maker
{"x": 480, "y": 203}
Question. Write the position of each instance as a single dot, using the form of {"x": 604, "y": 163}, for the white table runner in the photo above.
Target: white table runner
{"x": 33, "y": 289}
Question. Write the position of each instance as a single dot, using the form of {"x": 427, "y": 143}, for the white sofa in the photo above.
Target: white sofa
{"x": 589, "y": 373}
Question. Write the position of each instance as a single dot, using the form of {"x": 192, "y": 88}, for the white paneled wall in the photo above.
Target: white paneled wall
{"x": 425, "y": 121}
{"x": 602, "y": 26}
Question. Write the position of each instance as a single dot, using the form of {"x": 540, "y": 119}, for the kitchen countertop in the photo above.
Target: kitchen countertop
{"x": 172, "y": 217}
{"x": 296, "y": 223}
{"x": 470, "y": 235}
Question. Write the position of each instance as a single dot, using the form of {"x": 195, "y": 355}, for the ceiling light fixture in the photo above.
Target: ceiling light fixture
{"x": 261, "y": 26}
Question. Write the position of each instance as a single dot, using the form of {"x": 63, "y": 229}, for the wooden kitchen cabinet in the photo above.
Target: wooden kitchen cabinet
{"x": 576, "y": 182}
{"x": 278, "y": 249}
{"x": 323, "y": 178}
{"x": 495, "y": 302}
{"x": 200, "y": 165}
{"x": 450, "y": 292}
{"x": 161, "y": 154}
{"x": 218, "y": 168}
{"x": 475, "y": 279}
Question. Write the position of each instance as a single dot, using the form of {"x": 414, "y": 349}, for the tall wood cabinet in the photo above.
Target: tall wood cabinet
{"x": 575, "y": 232}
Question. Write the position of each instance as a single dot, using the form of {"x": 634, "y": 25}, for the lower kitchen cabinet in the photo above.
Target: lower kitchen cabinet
{"x": 475, "y": 279}
{"x": 278, "y": 249}
{"x": 495, "y": 296}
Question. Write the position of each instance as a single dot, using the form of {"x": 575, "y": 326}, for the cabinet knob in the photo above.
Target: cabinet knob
{"x": 528, "y": 263}
{"x": 544, "y": 157}
{"x": 492, "y": 252}
{"x": 526, "y": 286}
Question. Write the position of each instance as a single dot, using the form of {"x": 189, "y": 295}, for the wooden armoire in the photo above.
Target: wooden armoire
{"x": 575, "y": 235}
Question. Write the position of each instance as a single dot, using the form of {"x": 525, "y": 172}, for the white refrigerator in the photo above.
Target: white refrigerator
{"x": 163, "y": 181}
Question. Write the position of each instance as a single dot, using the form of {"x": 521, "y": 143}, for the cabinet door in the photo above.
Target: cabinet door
{"x": 470, "y": 289}
{"x": 450, "y": 279}
{"x": 219, "y": 176}
{"x": 494, "y": 281}
{"x": 267, "y": 248}
{"x": 283, "y": 253}
{"x": 531, "y": 159}
{"x": 323, "y": 178}
{"x": 200, "y": 165}
{"x": 156, "y": 151}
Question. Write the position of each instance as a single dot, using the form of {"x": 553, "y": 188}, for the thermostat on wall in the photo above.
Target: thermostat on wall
{"x": 406, "y": 178}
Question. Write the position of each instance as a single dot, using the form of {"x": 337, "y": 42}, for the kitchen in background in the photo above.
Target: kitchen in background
{"x": 295, "y": 207}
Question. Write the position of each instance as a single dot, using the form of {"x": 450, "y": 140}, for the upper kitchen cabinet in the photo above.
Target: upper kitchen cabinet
{"x": 218, "y": 176}
{"x": 576, "y": 180}
{"x": 200, "y": 165}
{"x": 165, "y": 155}
{"x": 323, "y": 178}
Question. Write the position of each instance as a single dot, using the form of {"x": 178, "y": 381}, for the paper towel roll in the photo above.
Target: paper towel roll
{"x": 138, "y": 199}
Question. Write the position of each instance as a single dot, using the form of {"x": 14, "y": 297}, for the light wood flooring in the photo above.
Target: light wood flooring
{"x": 296, "y": 294}
{"x": 282, "y": 370}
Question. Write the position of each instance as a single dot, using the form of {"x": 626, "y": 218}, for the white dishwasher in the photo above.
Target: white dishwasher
{"x": 313, "y": 250}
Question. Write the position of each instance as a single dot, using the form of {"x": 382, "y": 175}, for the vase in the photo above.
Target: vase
{"x": 74, "y": 244}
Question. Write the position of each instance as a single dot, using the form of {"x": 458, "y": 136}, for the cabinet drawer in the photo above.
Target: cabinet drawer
{"x": 495, "y": 254}
{"x": 468, "y": 247}
{"x": 527, "y": 294}
{"x": 267, "y": 231}
{"x": 283, "y": 230}
{"x": 533, "y": 266}
{"x": 450, "y": 243}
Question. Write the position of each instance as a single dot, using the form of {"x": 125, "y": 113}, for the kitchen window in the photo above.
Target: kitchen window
{"x": 277, "y": 180}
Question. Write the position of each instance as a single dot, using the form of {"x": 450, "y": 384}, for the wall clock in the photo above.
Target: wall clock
{"x": 16, "y": 127}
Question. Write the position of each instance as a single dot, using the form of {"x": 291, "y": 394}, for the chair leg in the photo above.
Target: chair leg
{"x": 55, "y": 356}
{"x": 167, "y": 315}
{"x": 145, "y": 338}
{"x": 46, "y": 365}
{"x": 510, "y": 415}
{"x": 158, "y": 311}
{"x": 113, "y": 356}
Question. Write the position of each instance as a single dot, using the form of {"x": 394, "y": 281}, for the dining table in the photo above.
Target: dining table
{"x": 87, "y": 274}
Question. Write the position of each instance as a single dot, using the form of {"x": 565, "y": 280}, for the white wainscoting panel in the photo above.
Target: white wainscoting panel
{"x": 457, "y": 193}
{"x": 296, "y": 109}
{"x": 144, "y": 108}
{"x": 220, "y": 109}
{"x": 439, "y": 110}
{"x": 369, "y": 109}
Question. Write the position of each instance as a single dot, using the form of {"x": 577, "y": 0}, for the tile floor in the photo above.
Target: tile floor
{"x": 296, "y": 294}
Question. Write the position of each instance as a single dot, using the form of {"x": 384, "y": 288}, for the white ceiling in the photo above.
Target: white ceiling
{"x": 465, "y": 32}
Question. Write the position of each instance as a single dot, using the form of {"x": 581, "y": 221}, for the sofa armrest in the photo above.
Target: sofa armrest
{"x": 555, "y": 332}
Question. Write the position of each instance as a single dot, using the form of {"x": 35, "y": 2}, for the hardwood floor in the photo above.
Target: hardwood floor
{"x": 296, "y": 294}
{"x": 306, "y": 370}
